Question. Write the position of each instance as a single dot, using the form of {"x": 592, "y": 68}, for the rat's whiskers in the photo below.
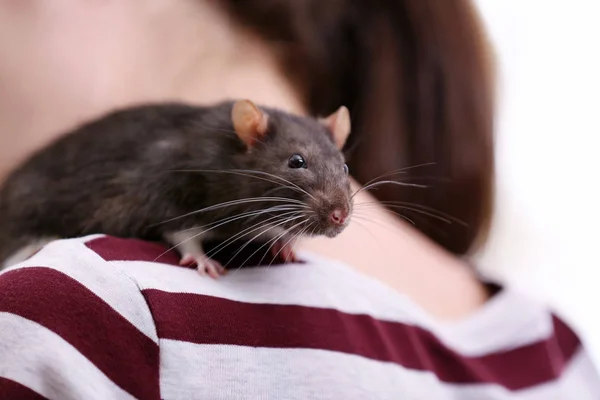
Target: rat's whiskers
{"x": 376, "y": 181}
{"x": 250, "y": 173}
{"x": 380, "y": 222}
{"x": 249, "y": 230}
{"x": 236, "y": 202}
{"x": 291, "y": 240}
{"x": 250, "y": 214}
{"x": 398, "y": 171}
{"x": 386, "y": 182}
{"x": 282, "y": 179}
{"x": 215, "y": 224}
{"x": 272, "y": 241}
{"x": 286, "y": 220}
{"x": 425, "y": 210}
{"x": 299, "y": 209}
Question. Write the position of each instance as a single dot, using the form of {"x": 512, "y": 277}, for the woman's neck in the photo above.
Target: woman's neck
{"x": 161, "y": 51}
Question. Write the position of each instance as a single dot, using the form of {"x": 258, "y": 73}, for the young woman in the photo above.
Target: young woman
{"x": 390, "y": 309}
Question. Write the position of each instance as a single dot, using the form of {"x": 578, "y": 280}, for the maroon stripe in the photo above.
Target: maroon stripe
{"x": 96, "y": 330}
{"x": 10, "y": 389}
{"x": 112, "y": 248}
{"x": 209, "y": 320}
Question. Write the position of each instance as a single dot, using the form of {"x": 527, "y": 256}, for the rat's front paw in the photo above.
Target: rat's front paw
{"x": 284, "y": 249}
{"x": 204, "y": 265}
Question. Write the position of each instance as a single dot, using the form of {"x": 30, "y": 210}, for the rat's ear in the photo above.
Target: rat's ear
{"x": 338, "y": 124}
{"x": 249, "y": 122}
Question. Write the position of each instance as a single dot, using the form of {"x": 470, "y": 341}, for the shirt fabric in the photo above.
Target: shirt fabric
{"x": 99, "y": 318}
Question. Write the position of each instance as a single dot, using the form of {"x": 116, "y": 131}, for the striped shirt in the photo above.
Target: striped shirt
{"x": 99, "y": 318}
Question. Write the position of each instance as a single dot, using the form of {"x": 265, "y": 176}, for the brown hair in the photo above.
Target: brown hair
{"x": 417, "y": 78}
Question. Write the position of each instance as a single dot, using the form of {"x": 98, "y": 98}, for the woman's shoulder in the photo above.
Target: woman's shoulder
{"x": 340, "y": 321}
{"x": 315, "y": 315}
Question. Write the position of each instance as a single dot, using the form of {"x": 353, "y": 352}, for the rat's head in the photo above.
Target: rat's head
{"x": 299, "y": 159}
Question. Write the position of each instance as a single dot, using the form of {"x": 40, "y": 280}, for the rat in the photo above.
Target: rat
{"x": 182, "y": 174}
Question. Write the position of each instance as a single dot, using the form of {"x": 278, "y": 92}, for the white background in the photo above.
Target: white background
{"x": 546, "y": 234}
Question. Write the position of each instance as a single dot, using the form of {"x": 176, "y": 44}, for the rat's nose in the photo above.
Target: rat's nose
{"x": 338, "y": 216}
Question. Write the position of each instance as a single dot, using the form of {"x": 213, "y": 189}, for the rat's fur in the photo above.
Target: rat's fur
{"x": 129, "y": 171}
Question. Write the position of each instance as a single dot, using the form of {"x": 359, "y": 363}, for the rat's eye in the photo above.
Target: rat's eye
{"x": 296, "y": 161}
{"x": 346, "y": 169}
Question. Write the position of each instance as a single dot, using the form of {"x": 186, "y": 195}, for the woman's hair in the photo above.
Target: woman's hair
{"x": 417, "y": 77}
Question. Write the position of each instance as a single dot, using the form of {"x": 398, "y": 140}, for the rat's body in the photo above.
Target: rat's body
{"x": 130, "y": 171}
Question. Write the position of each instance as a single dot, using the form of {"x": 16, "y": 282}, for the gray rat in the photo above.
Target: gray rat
{"x": 183, "y": 174}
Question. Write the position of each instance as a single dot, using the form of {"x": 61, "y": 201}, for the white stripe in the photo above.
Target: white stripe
{"x": 505, "y": 322}
{"x": 120, "y": 292}
{"x": 210, "y": 371}
{"x": 42, "y": 361}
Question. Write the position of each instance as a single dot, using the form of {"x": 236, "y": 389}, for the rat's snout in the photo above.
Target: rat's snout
{"x": 339, "y": 216}
{"x": 331, "y": 212}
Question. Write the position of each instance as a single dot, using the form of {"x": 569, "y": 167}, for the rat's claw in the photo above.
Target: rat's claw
{"x": 284, "y": 250}
{"x": 288, "y": 253}
{"x": 205, "y": 265}
{"x": 211, "y": 267}
{"x": 187, "y": 259}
